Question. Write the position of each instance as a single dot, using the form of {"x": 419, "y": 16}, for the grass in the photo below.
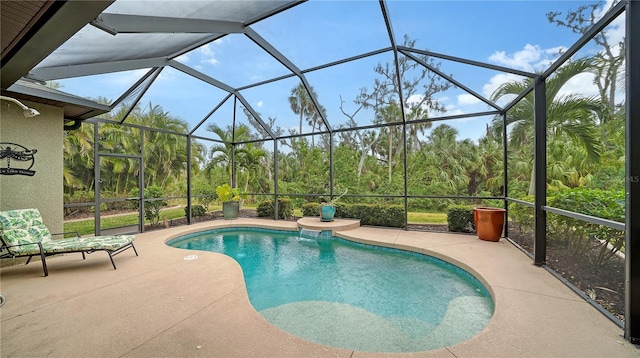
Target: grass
{"x": 427, "y": 218}
{"x": 86, "y": 227}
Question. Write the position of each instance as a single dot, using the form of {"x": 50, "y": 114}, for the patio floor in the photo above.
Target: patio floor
{"x": 161, "y": 305}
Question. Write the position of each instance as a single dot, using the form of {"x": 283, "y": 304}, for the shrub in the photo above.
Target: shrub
{"x": 311, "y": 209}
{"x": 522, "y": 215}
{"x": 460, "y": 218}
{"x": 597, "y": 242}
{"x": 266, "y": 208}
{"x": 205, "y": 193}
{"x": 152, "y": 207}
{"x": 196, "y": 211}
{"x": 369, "y": 214}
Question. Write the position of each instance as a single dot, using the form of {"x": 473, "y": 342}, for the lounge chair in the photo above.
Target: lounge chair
{"x": 23, "y": 234}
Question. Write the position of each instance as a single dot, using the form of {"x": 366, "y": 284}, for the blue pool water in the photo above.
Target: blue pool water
{"x": 349, "y": 295}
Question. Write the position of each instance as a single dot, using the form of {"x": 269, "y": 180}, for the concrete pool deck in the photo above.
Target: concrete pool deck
{"x": 161, "y": 305}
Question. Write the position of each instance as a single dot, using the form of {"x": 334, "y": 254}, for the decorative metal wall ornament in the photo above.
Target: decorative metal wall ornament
{"x": 19, "y": 159}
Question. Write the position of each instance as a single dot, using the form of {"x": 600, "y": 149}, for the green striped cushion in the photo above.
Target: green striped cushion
{"x": 106, "y": 242}
{"x": 23, "y": 226}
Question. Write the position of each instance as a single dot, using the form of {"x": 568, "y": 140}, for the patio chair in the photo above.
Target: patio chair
{"x": 23, "y": 234}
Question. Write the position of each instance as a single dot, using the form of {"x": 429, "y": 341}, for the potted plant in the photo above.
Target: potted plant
{"x": 328, "y": 209}
{"x": 230, "y": 198}
{"x": 489, "y": 222}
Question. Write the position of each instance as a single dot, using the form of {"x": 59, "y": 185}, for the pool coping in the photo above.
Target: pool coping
{"x": 146, "y": 308}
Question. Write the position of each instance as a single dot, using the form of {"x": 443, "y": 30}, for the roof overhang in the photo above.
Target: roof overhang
{"x": 27, "y": 40}
{"x": 75, "y": 108}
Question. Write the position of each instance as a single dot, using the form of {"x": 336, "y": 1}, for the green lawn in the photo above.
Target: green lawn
{"x": 85, "y": 227}
{"x": 427, "y": 218}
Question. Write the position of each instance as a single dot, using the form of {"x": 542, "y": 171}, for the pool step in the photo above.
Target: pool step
{"x": 314, "y": 223}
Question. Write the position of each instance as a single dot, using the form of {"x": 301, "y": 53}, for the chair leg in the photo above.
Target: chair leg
{"x": 44, "y": 261}
{"x": 28, "y": 260}
{"x": 111, "y": 258}
{"x": 134, "y": 249}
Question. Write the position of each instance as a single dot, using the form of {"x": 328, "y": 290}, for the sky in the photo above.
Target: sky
{"x": 514, "y": 34}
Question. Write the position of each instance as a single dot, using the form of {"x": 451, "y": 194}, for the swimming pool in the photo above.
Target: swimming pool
{"x": 349, "y": 295}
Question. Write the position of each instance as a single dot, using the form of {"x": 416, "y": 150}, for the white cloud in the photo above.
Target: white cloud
{"x": 260, "y": 103}
{"x": 530, "y": 58}
{"x": 184, "y": 58}
{"x": 467, "y": 99}
{"x": 211, "y": 61}
{"x": 208, "y": 55}
{"x": 495, "y": 82}
{"x": 206, "y": 50}
{"x": 581, "y": 85}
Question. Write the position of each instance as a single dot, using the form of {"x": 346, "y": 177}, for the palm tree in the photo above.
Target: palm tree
{"x": 301, "y": 103}
{"x": 250, "y": 159}
{"x": 568, "y": 116}
{"x": 448, "y": 160}
{"x": 222, "y": 153}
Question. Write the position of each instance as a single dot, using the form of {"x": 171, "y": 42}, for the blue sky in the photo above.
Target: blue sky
{"x": 513, "y": 34}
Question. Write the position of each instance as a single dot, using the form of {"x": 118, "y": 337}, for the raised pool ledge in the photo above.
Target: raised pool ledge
{"x": 314, "y": 223}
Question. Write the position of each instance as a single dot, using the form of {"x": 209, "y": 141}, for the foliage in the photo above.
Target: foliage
{"x": 580, "y": 237}
{"x": 165, "y": 154}
{"x": 151, "y": 207}
{"x": 373, "y": 214}
{"x": 79, "y": 197}
{"x": 285, "y": 208}
{"x": 311, "y": 209}
{"x": 205, "y": 193}
{"x": 369, "y": 214}
{"x": 196, "y": 211}
{"x": 522, "y": 215}
{"x": 335, "y": 200}
{"x": 226, "y": 193}
{"x": 460, "y": 218}
{"x": 86, "y": 227}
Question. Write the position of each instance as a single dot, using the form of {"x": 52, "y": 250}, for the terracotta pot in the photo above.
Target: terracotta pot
{"x": 489, "y": 223}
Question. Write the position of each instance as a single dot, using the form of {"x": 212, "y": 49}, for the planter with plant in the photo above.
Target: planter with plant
{"x": 328, "y": 209}
{"x": 230, "y": 198}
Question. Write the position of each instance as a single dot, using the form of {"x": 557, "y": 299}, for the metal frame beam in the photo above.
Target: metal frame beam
{"x": 265, "y": 45}
{"x": 135, "y": 24}
{"x": 452, "y": 80}
{"x": 89, "y": 69}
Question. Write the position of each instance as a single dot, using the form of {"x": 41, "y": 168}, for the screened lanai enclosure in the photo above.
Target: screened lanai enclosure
{"x": 418, "y": 106}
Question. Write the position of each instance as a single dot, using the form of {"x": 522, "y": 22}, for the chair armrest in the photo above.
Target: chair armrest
{"x": 67, "y": 232}
{"x": 3, "y": 246}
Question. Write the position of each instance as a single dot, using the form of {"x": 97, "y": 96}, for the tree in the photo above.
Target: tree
{"x": 569, "y": 117}
{"x": 301, "y": 103}
{"x": 608, "y": 63}
{"x": 384, "y": 96}
{"x": 222, "y": 153}
{"x": 250, "y": 160}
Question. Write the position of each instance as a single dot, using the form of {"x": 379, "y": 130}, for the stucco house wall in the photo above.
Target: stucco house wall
{"x": 43, "y": 133}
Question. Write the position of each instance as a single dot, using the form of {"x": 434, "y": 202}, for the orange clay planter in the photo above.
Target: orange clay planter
{"x": 489, "y": 223}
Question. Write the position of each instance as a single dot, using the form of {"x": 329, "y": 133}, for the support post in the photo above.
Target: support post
{"x": 632, "y": 168}
{"x": 189, "y": 201}
{"x": 96, "y": 179}
{"x": 275, "y": 179}
{"x": 505, "y": 177}
{"x": 540, "y": 171}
